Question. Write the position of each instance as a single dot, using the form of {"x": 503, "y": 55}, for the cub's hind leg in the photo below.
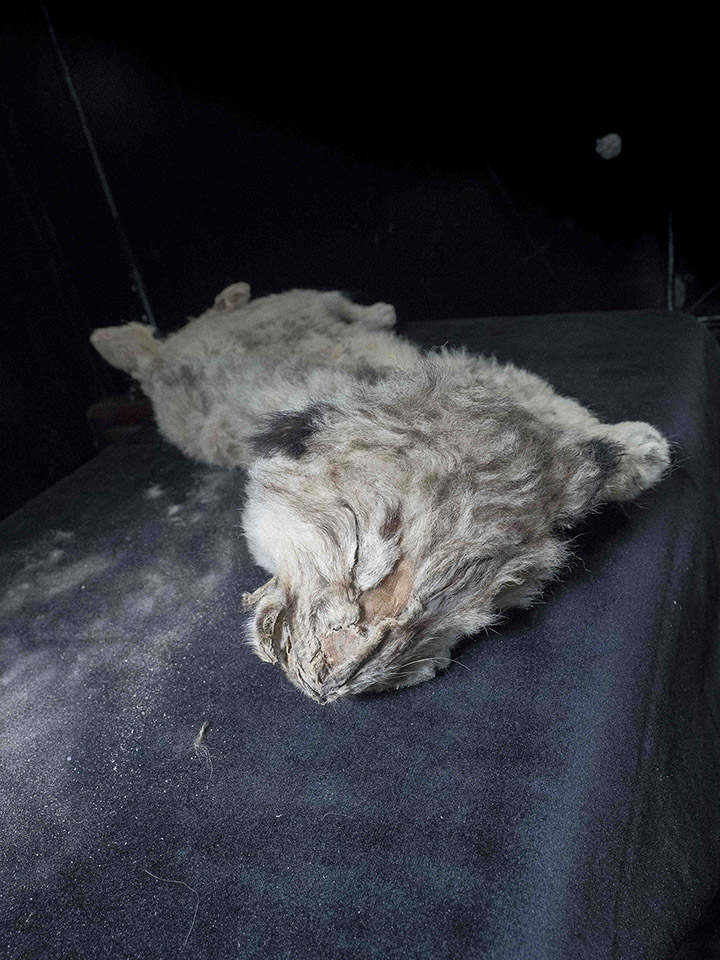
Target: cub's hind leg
{"x": 378, "y": 316}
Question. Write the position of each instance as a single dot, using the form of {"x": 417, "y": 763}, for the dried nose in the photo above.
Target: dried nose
{"x": 341, "y": 646}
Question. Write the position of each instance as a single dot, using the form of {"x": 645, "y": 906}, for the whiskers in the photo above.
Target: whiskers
{"x": 441, "y": 661}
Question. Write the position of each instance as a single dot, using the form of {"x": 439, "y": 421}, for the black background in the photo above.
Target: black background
{"x": 446, "y": 167}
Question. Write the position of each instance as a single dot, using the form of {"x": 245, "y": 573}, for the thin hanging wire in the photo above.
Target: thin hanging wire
{"x": 138, "y": 286}
{"x": 538, "y": 251}
{"x": 670, "y": 264}
{"x": 708, "y": 293}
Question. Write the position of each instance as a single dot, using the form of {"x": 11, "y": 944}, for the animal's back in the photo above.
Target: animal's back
{"x": 300, "y": 323}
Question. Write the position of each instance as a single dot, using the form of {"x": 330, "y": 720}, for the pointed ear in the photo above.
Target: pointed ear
{"x": 129, "y": 348}
{"x": 270, "y": 603}
{"x": 236, "y": 295}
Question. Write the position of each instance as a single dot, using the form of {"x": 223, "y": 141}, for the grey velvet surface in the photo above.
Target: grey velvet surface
{"x": 555, "y": 794}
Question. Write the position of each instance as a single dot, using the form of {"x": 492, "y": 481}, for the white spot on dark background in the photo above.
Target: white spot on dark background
{"x": 609, "y": 146}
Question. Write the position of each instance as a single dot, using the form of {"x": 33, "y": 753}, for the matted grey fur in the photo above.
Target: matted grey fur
{"x": 400, "y": 501}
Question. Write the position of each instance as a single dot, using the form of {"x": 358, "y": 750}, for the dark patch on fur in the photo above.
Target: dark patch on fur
{"x": 188, "y": 376}
{"x": 183, "y": 374}
{"x": 290, "y": 608}
{"x": 288, "y": 432}
{"x": 606, "y": 457}
{"x": 441, "y": 488}
{"x": 368, "y": 374}
{"x": 432, "y": 414}
{"x": 390, "y": 524}
{"x": 605, "y": 454}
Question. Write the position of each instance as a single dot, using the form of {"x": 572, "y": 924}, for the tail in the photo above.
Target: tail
{"x": 131, "y": 347}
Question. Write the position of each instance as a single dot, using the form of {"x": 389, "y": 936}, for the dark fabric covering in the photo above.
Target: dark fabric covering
{"x": 556, "y": 794}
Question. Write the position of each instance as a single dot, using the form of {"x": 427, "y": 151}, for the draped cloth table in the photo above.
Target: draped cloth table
{"x": 555, "y": 794}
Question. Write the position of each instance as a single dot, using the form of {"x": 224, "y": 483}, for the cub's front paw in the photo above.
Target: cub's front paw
{"x": 647, "y": 455}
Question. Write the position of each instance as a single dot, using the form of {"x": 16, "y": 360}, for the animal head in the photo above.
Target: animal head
{"x": 401, "y": 517}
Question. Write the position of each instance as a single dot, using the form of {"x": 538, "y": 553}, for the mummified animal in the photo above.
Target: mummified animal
{"x": 399, "y": 500}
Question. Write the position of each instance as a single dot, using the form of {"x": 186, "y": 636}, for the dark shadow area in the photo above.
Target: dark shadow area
{"x": 704, "y": 943}
{"x": 240, "y": 153}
